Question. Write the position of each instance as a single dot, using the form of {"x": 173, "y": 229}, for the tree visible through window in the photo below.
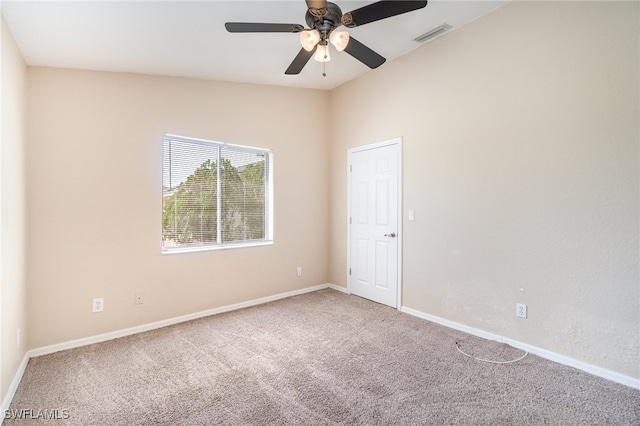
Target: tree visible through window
{"x": 214, "y": 194}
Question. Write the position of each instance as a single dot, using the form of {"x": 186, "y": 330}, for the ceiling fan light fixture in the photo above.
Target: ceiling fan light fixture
{"x": 309, "y": 39}
{"x": 322, "y": 53}
{"x": 339, "y": 39}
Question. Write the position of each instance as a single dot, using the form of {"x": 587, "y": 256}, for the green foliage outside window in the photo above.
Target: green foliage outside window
{"x": 190, "y": 212}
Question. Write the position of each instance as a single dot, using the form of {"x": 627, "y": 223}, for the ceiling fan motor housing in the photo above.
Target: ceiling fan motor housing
{"x": 324, "y": 20}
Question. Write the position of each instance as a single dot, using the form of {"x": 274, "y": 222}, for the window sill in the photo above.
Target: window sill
{"x": 180, "y": 250}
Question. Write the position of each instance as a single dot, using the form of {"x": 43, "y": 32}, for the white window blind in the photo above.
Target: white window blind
{"x": 214, "y": 194}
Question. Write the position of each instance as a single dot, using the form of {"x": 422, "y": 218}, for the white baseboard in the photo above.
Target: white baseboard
{"x": 543, "y": 353}
{"x": 6, "y": 402}
{"x": 164, "y": 323}
{"x": 339, "y": 288}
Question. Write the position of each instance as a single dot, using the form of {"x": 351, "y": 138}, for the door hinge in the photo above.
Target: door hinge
{"x": 350, "y": 167}
{"x": 349, "y": 220}
{"x": 349, "y": 271}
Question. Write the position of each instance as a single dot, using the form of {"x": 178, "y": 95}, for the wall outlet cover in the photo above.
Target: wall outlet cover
{"x": 521, "y": 310}
{"x": 98, "y": 305}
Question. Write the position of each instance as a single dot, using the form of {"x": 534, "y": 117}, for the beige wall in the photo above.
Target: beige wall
{"x": 94, "y": 192}
{"x": 13, "y": 122}
{"x": 520, "y": 136}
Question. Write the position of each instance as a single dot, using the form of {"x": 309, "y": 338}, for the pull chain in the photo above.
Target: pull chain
{"x": 324, "y": 67}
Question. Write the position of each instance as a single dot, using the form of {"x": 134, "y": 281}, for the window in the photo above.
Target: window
{"x": 214, "y": 195}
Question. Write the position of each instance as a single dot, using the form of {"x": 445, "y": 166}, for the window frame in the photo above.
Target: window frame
{"x": 269, "y": 196}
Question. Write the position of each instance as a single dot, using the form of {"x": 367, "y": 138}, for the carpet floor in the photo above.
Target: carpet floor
{"x": 320, "y": 358}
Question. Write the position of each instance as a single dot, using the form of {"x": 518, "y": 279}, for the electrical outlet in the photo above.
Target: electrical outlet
{"x": 299, "y": 271}
{"x": 98, "y": 305}
{"x": 138, "y": 298}
{"x": 521, "y": 310}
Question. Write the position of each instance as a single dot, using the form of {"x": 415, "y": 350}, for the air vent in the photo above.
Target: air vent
{"x": 433, "y": 33}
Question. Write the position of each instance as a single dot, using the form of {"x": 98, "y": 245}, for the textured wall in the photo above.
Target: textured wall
{"x": 521, "y": 135}
{"x": 94, "y": 192}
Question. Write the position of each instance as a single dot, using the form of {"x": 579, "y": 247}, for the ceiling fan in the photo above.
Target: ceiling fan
{"x": 323, "y": 17}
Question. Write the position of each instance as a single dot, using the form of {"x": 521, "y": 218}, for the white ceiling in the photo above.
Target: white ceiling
{"x": 188, "y": 38}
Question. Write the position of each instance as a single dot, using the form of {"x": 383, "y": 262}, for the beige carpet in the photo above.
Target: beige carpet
{"x": 319, "y": 358}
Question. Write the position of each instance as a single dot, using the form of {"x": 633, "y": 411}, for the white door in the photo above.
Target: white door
{"x": 373, "y": 228}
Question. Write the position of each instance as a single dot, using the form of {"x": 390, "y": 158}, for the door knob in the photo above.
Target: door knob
{"x": 392, "y": 235}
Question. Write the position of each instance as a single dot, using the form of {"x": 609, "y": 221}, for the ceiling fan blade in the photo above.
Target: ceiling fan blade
{"x": 300, "y": 61}
{"x": 364, "y": 54}
{"x": 256, "y": 27}
{"x": 380, "y": 10}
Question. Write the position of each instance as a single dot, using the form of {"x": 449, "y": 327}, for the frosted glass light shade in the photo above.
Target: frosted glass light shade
{"x": 339, "y": 39}
{"x": 309, "y": 39}
{"x": 322, "y": 54}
